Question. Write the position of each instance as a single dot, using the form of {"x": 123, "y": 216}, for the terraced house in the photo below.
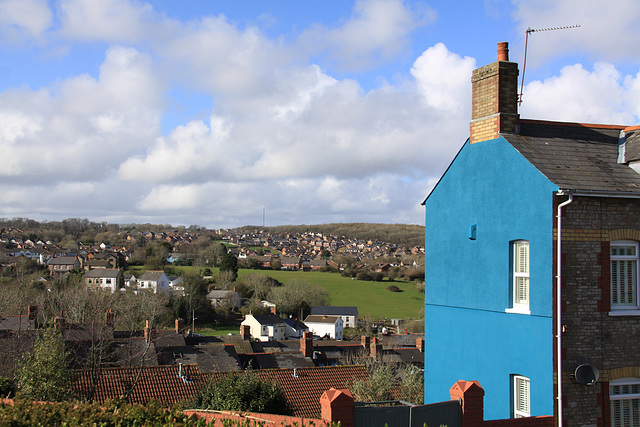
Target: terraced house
{"x": 532, "y": 253}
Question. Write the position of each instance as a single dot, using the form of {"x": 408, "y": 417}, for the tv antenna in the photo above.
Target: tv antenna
{"x": 526, "y": 42}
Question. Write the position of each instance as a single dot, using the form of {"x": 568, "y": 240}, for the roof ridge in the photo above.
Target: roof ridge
{"x": 573, "y": 124}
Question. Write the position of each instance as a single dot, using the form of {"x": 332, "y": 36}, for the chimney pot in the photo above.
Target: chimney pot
{"x": 503, "y": 51}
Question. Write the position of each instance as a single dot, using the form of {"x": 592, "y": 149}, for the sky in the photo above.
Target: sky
{"x": 223, "y": 113}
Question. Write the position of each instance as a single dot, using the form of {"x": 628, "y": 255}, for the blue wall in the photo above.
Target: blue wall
{"x": 469, "y": 336}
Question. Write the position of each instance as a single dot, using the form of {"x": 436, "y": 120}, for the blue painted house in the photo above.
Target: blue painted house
{"x": 491, "y": 245}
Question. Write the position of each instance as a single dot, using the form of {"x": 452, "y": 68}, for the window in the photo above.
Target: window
{"x": 624, "y": 275}
{"x": 520, "y": 277}
{"x": 521, "y": 397}
{"x": 624, "y": 395}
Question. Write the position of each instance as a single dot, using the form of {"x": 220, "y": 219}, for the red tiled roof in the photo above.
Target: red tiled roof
{"x": 302, "y": 387}
{"x": 304, "y": 390}
{"x": 160, "y": 383}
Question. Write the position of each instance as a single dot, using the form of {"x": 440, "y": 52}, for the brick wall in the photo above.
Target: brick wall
{"x": 591, "y": 335}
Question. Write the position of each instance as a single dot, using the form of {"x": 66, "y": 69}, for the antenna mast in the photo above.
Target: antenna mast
{"x": 526, "y": 42}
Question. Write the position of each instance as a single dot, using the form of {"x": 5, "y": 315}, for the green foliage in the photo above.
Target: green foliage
{"x": 7, "y": 388}
{"x": 229, "y": 262}
{"x": 393, "y": 288}
{"x": 114, "y": 413}
{"x": 241, "y": 391}
{"x": 390, "y": 382}
{"x": 44, "y": 374}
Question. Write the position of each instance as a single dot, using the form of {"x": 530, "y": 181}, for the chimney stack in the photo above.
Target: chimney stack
{"x": 494, "y": 98}
{"x": 109, "y": 318}
{"x": 179, "y": 325}
{"x": 245, "y": 332}
{"x": 306, "y": 344}
{"x": 376, "y": 349}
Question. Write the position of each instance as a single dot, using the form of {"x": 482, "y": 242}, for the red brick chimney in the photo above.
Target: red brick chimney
{"x": 364, "y": 340}
{"x": 149, "y": 332}
{"x": 306, "y": 344}
{"x": 494, "y": 98}
{"x": 420, "y": 344}
{"x": 337, "y": 406}
{"x": 376, "y": 349}
{"x": 273, "y": 309}
{"x": 179, "y": 325}
{"x": 471, "y": 394}
{"x": 109, "y": 318}
{"x": 245, "y": 331}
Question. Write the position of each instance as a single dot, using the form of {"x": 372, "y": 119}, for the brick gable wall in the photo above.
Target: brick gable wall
{"x": 591, "y": 335}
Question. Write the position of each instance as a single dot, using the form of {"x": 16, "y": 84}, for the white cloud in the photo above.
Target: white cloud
{"x": 79, "y": 127}
{"x": 24, "y": 18}
{"x": 580, "y": 95}
{"x": 444, "y": 79}
{"x": 608, "y": 31}
{"x": 379, "y": 30}
{"x": 106, "y": 20}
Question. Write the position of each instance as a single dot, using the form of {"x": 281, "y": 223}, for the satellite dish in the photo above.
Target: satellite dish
{"x": 587, "y": 374}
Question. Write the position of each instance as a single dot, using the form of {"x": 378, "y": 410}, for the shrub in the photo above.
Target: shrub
{"x": 393, "y": 288}
{"x": 241, "y": 391}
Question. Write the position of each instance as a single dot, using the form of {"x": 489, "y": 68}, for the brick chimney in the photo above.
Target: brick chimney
{"x": 179, "y": 325}
{"x": 245, "y": 332}
{"x": 337, "y": 407}
{"x": 149, "y": 332}
{"x": 273, "y": 309}
{"x": 109, "y": 318}
{"x": 420, "y": 344}
{"x": 364, "y": 340}
{"x": 306, "y": 344}
{"x": 471, "y": 394}
{"x": 33, "y": 312}
{"x": 376, "y": 349}
{"x": 494, "y": 98}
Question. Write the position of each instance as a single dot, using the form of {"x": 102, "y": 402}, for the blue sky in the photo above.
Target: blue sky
{"x": 201, "y": 112}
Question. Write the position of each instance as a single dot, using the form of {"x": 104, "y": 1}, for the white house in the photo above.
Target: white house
{"x": 265, "y": 327}
{"x": 224, "y": 297}
{"x": 176, "y": 284}
{"x": 348, "y": 314}
{"x": 321, "y": 326}
{"x": 154, "y": 280}
{"x": 105, "y": 278}
{"x": 295, "y": 328}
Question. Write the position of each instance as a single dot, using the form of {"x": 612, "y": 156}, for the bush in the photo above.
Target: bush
{"x": 393, "y": 288}
{"x": 241, "y": 391}
{"x": 7, "y": 388}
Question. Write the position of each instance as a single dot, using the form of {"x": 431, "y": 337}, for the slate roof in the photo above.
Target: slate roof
{"x": 321, "y": 319}
{"x": 16, "y": 323}
{"x": 268, "y": 319}
{"x": 102, "y": 272}
{"x": 153, "y": 276}
{"x": 334, "y": 310}
{"x": 576, "y": 156}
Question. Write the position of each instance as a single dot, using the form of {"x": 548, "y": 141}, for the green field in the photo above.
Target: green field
{"x": 371, "y": 298}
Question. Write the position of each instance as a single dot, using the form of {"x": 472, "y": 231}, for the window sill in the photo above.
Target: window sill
{"x": 518, "y": 311}
{"x": 632, "y": 312}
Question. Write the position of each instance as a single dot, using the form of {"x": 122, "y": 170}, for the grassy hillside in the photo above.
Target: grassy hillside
{"x": 402, "y": 234}
{"x": 371, "y": 298}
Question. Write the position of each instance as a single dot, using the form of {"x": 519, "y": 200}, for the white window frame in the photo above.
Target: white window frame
{"x": 624, "y": 397}
{"x": 624, "y": 307}
{"x": 520, "y": 276}
{"x": 521, "y": 388}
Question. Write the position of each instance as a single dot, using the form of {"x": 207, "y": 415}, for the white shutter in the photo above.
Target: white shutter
{"x": 521, "y": 398}
{"x": 521, "y": 272}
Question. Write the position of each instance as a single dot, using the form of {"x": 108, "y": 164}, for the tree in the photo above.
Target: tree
{"x": 44, "y": 374}
{"x": 241, "y": 391}
{"x": 390, "y": 382}
{"x": 229, "y": 262}
{"x": 297, "y": 296}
